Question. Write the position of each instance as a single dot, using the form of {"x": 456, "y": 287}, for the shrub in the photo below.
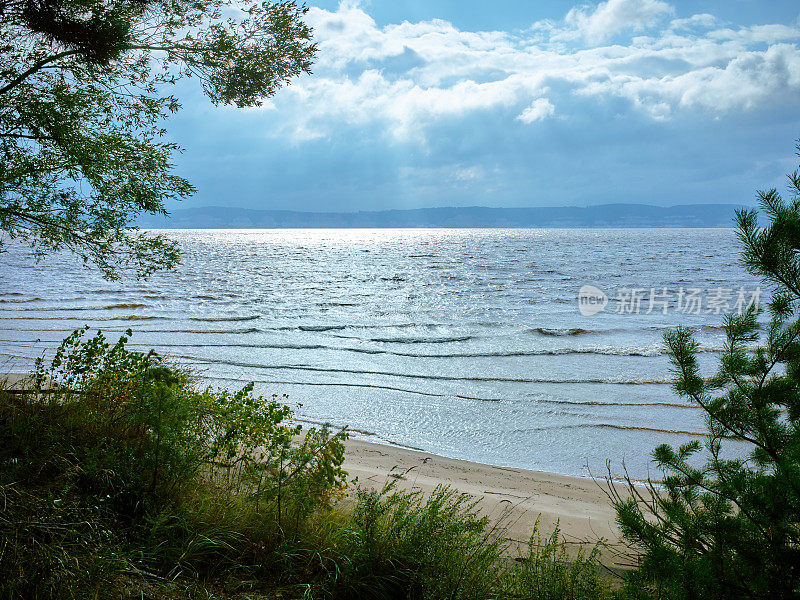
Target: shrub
{"x": 112, "y": 462}
{"x": 405, "y": 544}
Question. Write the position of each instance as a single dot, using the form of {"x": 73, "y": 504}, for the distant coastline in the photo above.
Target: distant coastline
{"x": 606, "y": 215}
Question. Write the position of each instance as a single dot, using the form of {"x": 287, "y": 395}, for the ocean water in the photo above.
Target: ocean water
{"x": 465, "y": 343}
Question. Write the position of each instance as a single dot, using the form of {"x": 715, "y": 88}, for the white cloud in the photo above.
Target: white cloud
{"x": 764, "y": 34}
{"x": 615, "y": 16}
{"x": 749, "y": 80}
{"x": 540, "y": 109}
{"x": 702, "y": 20}
{"x": 680, "y": 65}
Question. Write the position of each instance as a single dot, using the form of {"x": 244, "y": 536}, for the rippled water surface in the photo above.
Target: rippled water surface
{"x": 467, "y": 343}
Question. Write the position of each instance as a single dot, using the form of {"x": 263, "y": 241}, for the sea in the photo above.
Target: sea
{"x": 532, "y": 348}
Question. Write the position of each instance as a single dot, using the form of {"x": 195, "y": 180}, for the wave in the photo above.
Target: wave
{"x": 320, "y": 327}
{"x": 620, "y": 404}
{"x": 562, "y": 332}
{"x": 351, "y": 385}
{"x": 225, "y": 319}
{"x": 576, "y": 331}
{"x": 573, "y": 331}
{"x": 614, "y": 426}
{"x": 336, "y": 304}
{"x": 136, "y": 318}
{"x": 357, "y": 326}
{"x": 608, "y": 351}
{"x": 19, "y": 300}
{"x": 125, "y": 305}
{"x": 79, "y": 308}
{"x": 259, "y": 346}
{"x": 645, "y": 352}
{"x": 603, "y": 351}
{"x": 428, "y": 377}
{"x": 650, "y": 351}
{"x": 636, "y": 351}
{"x": 460, "y": 396}
{"x": 421, "y": 340}
{"x": 652, "y": 429}
{"x": 214, "y": 331}
{"x": 111, "y": 330}
{"x": 82, "y": 320}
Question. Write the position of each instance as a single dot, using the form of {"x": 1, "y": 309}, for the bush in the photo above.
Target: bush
{"x": 399, "y": 544}
{"x": 111, "y": 462}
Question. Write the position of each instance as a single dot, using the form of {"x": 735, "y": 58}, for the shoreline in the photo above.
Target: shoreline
{"x": 514, "y": 497}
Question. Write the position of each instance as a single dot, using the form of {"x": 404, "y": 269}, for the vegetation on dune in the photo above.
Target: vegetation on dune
{"x": 730, "y": 528}
{"x": 118, "y": 478}
{"x": 113, "y": 464}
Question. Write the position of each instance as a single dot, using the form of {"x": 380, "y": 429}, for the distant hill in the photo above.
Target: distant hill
{"x": 606, "y": 215}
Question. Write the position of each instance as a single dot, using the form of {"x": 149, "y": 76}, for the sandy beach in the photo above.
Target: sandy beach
{"x": 517, "y": 496}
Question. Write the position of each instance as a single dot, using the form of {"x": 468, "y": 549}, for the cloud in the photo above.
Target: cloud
{"x": 538, "y": 111}
{"x": 615, "y": 16}
{"x": 401, "y": 79}
{"x": 703, "y": 20}
{"x": 747, "y": 81}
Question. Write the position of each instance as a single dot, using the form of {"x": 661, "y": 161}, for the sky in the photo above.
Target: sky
{"x": 512, "y": 103}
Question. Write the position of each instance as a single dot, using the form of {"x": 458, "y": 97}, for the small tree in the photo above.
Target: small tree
{"x": 731, "y": 527}
{"x": 83, "y": 99}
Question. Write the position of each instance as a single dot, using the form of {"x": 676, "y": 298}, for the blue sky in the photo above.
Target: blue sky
{"x": 513, "y": 103}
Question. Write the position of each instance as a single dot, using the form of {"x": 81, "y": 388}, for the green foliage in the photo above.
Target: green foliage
{"x": 83, "y": 97}
{"x": 256, "y": 451}
{"x": 399, "y": 544}
{"x": 730, "y": 528}
{"x": 112, "y": 463}
{"x": 547, "y": 572}
{"x": 403, "y": 545}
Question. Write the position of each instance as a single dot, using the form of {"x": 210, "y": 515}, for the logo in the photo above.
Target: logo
{"x": 591, "y": 300}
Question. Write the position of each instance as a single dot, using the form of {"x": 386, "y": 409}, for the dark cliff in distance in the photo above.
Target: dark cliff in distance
{"x": 607, "y": 215}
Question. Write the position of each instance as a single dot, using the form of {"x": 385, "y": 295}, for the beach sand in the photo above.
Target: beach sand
{"x": 517, "y": 496}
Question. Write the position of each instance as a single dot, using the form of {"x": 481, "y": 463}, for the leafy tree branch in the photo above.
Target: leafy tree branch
{"x": 83, "y": 102}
